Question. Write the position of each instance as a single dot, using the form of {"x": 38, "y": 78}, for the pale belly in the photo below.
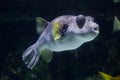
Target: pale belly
{"x": 66, "y": 44}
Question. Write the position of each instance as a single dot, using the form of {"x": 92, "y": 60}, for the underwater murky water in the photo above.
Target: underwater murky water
{"x": 18, "y": 32}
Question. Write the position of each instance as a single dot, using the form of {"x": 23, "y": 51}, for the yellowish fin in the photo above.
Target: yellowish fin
{"x": 56, "y": 28}
{"x": 46, "y": 55}
{"x": 108, "y": 77}
{"x": 116, "y": 25}
{"x": 116, "y": 78}
{"x": 105, "y": 76}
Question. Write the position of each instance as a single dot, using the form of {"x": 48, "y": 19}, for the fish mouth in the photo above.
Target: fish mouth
{"x": 96, "y": 30}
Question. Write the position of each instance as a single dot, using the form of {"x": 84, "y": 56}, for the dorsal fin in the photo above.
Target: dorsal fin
{"x": 41, "y": 24}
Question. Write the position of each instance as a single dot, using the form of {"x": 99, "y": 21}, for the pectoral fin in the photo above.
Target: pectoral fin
{"x": 56, "y": 28}
{"x": 46, "y": 55}
{"x": 41, "y": 24}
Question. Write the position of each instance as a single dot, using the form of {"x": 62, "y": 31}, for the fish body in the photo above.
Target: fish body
{"x": 66, "y": 32}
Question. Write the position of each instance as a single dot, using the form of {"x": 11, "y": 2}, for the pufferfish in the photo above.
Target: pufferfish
{"x": 67, "y": 32}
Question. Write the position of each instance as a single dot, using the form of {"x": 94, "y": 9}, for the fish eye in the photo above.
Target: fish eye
{"x": 80, "y": 20}
{"x": 63, "y": 30}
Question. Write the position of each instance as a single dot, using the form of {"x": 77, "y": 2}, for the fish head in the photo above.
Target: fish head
{"x": 75, "y": 26}
{"x": 87, "y": 27}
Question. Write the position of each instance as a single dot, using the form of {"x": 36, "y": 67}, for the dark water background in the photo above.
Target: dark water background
{"x": 18, "y": 31}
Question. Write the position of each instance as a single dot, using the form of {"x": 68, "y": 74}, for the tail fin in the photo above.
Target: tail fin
{"x": 30, "y": 57}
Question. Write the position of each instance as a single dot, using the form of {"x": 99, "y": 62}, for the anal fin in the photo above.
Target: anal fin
{"x": 46, "y": 55}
